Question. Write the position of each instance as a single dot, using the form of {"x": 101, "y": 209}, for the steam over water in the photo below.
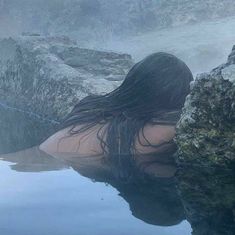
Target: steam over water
{"x": 203, "y": 46}
{"x": 98, "y": 25}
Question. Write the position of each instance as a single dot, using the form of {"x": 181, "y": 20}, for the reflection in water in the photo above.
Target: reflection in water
{"x": 154, "y": 201}
{"x": 33, "y": 160}
{"x": 208, "y": 196}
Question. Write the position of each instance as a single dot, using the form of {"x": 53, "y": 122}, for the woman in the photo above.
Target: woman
{"x": 131, "y": 127}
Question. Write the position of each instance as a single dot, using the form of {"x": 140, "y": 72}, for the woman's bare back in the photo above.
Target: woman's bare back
{"x": 87, "y": 143}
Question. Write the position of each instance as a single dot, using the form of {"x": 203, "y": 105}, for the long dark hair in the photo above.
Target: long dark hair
{"x": 154, "y": 87}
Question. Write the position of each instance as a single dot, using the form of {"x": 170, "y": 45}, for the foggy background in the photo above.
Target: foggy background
{"x": 201, "y": 32}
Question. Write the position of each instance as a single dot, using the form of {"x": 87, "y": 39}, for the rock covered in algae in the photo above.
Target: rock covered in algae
{"x": 206, "y": 152}
{"x": 42, "y": 78}
{"x": 206, "y": 130}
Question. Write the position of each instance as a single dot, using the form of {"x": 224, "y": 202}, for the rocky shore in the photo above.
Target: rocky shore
{"x": 42, "y": 78}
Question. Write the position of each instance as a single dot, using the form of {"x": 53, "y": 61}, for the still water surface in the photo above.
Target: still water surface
{"x": 37, "y": 200}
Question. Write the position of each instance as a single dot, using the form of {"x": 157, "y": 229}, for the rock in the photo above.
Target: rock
{"x": 228, "y": 73}
{"x": 44, "y": 77}
{"x": 206, "y": 130}
{"x": 206, "y": 152}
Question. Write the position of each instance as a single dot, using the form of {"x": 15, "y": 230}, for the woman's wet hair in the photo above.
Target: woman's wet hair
{"x": 153, "y": 88}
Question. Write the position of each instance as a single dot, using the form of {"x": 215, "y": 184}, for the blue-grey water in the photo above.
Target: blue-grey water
{"x": 64, "y": 202}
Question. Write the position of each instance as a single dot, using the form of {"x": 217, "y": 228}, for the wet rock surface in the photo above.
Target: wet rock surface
{"x": 42, "y": 78}
{"x": 206, "y": 152}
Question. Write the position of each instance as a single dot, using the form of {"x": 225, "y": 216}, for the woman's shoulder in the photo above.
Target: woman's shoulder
{"x": 82, "y": 144}
{"x": 159, "y": 133}
{"x": 155, "y": 138}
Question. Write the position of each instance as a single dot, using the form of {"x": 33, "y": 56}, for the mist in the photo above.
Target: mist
{"x": 199, "y": 32}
